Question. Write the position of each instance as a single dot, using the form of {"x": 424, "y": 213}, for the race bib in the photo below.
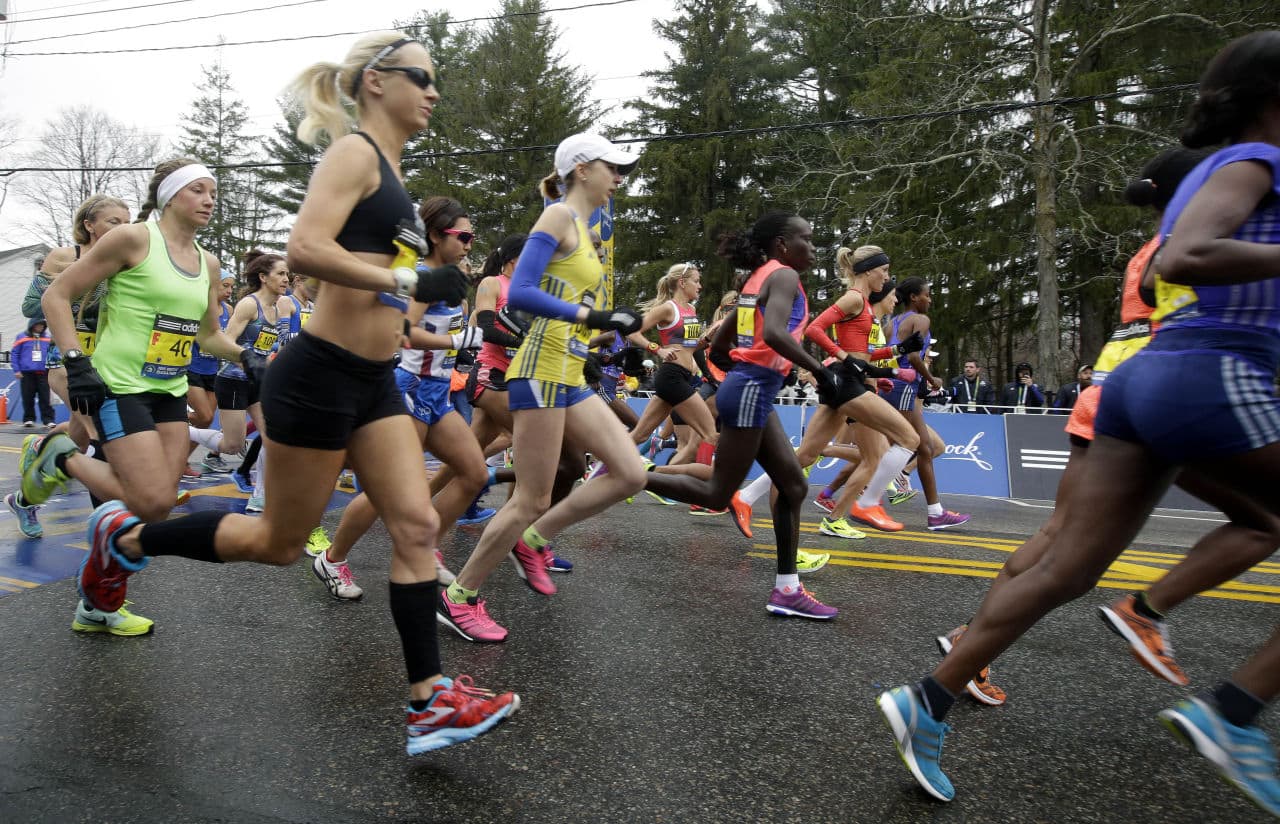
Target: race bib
{"x": 451, "y": 355}
{"x": 88, "y": 340}
{"x": 746, "y": 321}
{"x": 36, "y": 355}
{"x": 303, "y": 317}
{"x": 169, "y": 352}
{"x": 692, "y": 332}
{"x": 266, "y": 340}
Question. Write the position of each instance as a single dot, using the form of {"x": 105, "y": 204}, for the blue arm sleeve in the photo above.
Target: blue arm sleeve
{"x": 524, "y": 293}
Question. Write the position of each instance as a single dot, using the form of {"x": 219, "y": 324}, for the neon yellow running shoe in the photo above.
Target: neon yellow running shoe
{"x": 318, "y": 542}
{"x": 120, "y": 622}
{"x": 42, "y": 477}
{"x": 807, "y": 562}
{"x": 840, "y": 528}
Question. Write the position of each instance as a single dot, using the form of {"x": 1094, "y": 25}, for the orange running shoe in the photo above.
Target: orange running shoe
{"x": 874, "y": 516}
{"x": 980, "y": 688}
{"x": 1148, "y": 639}
{"x": 741, "y": 514}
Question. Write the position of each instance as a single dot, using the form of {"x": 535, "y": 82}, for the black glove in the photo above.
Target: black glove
{"x": 444, "y": 283}
{"x": 828, "y": 387}
{"x": 793, "y": 377}
{"x": 513, "y": 322}
{"x": 85, "y": 387}
{"x": 255, "y": 365}
{"x": 631, "y": 361}
{"x": 591, "y": 369}
{"x": 622, "y": 319}
{"x": 913, "y": 343}
{"x": 853, "y": 368}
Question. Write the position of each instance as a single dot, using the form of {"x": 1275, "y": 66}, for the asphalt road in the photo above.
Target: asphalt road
{"x": 655, "y": 685}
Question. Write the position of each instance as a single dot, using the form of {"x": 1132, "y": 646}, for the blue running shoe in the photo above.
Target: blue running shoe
{"x": 473, "y": 515}
{"x": 1243, "y": 755}
{"x": 557, "y": 564}
{"x": 242, "y": 483}
{"x": 26, "y": 515}
{"x": 918, "y": 738}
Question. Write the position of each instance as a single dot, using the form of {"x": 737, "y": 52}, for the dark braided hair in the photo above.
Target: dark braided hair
{"x": 750, "y": 249}
{"x": 1240, "y": 80}
{"x": 909, "y": 288}
{"x": 505, "y": 252}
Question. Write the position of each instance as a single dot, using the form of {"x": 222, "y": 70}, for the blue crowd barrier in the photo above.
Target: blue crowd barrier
{"x": 12, "y": 388}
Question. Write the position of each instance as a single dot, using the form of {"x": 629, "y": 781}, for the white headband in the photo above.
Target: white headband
{"x": 178, "y": 180}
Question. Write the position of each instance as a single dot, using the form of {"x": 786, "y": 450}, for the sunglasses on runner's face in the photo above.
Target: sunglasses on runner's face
{"x": 417, "y": 75}
{"x": 463, "y": 237}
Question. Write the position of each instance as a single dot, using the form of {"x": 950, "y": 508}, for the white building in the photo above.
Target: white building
{"x": 17, "y": 267}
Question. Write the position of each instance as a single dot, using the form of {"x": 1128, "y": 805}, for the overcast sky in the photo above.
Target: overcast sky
{"x": 153, "y": 91}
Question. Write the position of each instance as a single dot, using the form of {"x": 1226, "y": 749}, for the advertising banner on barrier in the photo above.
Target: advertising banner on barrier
{"x": 1038, "y": 452}
{"x": 974, "y": 462}
{"x": 11, "y": 388}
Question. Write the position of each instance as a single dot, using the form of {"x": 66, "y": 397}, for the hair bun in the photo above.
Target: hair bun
{"x": 1140, "y": 192}
{"x": 252, "y": 255}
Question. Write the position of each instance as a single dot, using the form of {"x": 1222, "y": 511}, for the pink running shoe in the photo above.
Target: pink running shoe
{"x": 947, "y": 519}
{"x": 443, "y": 576}
{"x": 531, "y": 565}
{"x": 470, "y": 620}
{"x": 458, "y": 711}
{"x": 800, "y": 604}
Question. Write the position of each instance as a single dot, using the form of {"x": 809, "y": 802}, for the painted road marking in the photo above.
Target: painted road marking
{"x": 1135, "y": 568}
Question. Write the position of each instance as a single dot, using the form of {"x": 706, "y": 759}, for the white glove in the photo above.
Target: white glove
{"x": 469, "y": 338}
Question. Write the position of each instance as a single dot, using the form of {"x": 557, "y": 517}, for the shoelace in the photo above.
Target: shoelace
{"x": 481, "y": 615}
{"x": 344, "y": 575}
{"x": 466, "y": 686}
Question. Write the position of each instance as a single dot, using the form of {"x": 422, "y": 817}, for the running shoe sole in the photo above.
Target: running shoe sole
{"x": 80, "y": 626}
{"x": 902, "y": 741}
{"x": 448, "y": 736}
{"x": 327, "y": 588}
{"x": 1121, "y": 627}
{"x": 776, "y": 609}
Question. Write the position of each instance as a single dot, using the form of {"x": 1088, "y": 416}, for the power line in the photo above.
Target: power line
{"x": 987, "y": 108}
{"x": 167, "y": 22}
{"x": 269, "y": 40}
{"x": 99, "y": 11}
{"x": 64, "y": 6}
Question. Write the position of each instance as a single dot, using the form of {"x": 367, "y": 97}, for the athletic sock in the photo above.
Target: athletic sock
{"x": 935, "y": 509}
{"x": 210, "y": 439}
{"x": 754, "y": 490}
{"x": 888, "y": 468}
{"x": 1237, "y": 705}
{"x": 826, "y": 492}
{"x": 787, "y": 583}
{"x": 1144, "y": 608}
{"x": 191, "y": 536}
{"x": 250, "y": 458}
{"x": 533, "y": 539}
{"x": 936, "y": 698}
{"x": 413, "y": 609}
{"x": 332, "y": 566}
{"x": 458, "y": 594}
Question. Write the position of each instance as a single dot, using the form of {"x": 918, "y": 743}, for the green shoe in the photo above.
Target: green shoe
{"x": 811, "y": 561}
{"x": 30, "y": 448}
{"x": 318, "y": 542}
{"x": 840, "y": 528}
{"x": 120, "y": 622}
{"x": 42, "y": 477}
{"x": 905, "y": 495}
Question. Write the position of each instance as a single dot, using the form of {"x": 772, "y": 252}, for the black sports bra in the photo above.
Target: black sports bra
{"x": 372, "y": 224}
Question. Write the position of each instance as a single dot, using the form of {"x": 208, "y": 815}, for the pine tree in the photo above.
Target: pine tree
{"x": 285, "y": 186}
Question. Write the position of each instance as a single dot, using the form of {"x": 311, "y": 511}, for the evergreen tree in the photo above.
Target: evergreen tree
{"x": 693, "y": 191}
{"x": 214, "y": 133}
{"x": 285, "y": 186}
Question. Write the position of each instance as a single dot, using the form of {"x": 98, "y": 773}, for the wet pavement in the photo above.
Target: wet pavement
{"x": 655, "y": 686}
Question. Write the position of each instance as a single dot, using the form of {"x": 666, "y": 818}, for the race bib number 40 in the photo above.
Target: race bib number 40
{"x": 169, "y": 351}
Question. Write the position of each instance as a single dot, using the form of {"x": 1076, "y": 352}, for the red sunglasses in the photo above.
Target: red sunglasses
{"x": 463, "y": 236}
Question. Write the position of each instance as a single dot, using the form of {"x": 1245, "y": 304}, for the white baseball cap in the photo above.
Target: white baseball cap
{"x": 584, "y": 148}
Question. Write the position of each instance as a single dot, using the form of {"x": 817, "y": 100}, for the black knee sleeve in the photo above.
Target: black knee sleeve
{"x": 191, "y": 537}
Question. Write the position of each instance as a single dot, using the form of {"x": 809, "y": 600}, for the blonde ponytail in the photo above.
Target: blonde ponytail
{"x": 322, "y": 86}
{"x": 667, "y": 285}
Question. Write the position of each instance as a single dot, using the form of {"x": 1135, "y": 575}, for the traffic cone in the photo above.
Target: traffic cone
{"x": 4, "y": 408}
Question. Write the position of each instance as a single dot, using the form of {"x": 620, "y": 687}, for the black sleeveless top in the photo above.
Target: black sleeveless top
{"x": 372, "y": 224}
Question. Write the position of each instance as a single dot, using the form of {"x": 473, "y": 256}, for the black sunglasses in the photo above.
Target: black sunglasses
{"x": 417, "y": 75}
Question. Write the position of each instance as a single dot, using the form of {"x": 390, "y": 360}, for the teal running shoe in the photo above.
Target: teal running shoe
{"x": 918, "y": 738}
{"x": 42, "y": 477}
{"x": 1243, "y": 755}
{"x": 26, "y": 515}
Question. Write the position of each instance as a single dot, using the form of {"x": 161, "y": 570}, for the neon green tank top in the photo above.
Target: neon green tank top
{"x": 554, "y": 350}
{"x": 153, "y": 312}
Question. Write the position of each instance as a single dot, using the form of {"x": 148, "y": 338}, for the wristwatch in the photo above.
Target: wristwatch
{"x": 72, "y": 355}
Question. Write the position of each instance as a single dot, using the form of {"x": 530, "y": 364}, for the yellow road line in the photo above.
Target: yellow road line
{"x": 16, "y": 449}
{"x": 18, "y": 582}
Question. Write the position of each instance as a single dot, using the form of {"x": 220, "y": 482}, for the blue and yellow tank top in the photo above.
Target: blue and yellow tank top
{"x": 554, "y": 350}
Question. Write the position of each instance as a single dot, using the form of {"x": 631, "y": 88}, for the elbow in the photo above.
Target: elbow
{"x": 302, "y": 253}
{"x": 1177, "y": 264}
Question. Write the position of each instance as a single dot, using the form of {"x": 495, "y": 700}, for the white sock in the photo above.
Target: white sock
{"x": 210, "y": 439}
{"x": 935, "y": 509}
{"x": 259, "y": 473}
{"x": 329, "y": 565}
{"x": 752, "y": 492}
{"x": 787, "y": 583}
{"x": 888, "y": 468}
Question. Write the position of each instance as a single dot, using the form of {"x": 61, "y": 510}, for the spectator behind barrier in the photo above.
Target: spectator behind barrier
{"x": 1070, "y": 392}
{"x": 970, "y": 392}
{"x": 1022, "y": 393}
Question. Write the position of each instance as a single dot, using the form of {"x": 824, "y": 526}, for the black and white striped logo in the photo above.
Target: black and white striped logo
{"x": 1043, "y": 458}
